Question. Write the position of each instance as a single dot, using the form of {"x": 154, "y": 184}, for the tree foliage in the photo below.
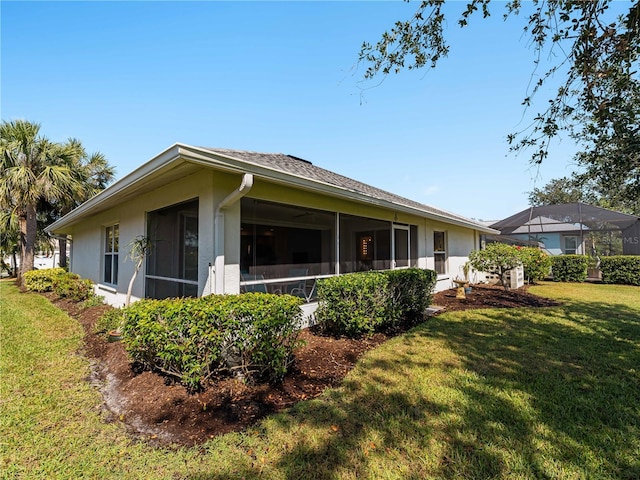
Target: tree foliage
{"x": 496, "y": 258}
{"x": 558, "y": 191}
{"x": 41, "y": 180}
{"x": 598, "y": 101}
{"x": 581, "y": 189}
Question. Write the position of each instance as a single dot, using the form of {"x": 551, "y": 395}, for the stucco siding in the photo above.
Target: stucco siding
{"x": 212, "y": 187}
{"x": 88, "y": 235}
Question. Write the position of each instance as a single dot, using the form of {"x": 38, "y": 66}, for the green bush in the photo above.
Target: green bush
{"x": 412, "y": 291}
{"x": 41, "y": 280}
{"x": 194, "y": 339}
{"x": 496, "y": 258}
{"x": 354, "y": 304}
{"x": 621, "y": 269}
{"x": 536, "y": 263}
{"x": 569, "y": 268}
{"x": 111, "y": 320}
{"x": 71, "y": 286}
{"x": 358, "y": 304}
{"x": 93, "y": 301}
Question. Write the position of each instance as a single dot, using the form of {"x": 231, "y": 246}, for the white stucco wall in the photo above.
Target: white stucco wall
{"x": 211, "y": 187}
{"x": 88, "y": 235}
{"x": 459, "y": 243}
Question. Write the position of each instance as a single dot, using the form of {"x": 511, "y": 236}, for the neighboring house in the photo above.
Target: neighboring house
{"x": 556, "y": 237}
{"x": 226, "y": 221}
{"x": 564, "y": 228}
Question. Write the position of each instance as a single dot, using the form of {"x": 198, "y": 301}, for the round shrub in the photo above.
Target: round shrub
{"x": 536, "y": 263}
{"x": 354, "y": 304}
{"x": 41, "y": 280}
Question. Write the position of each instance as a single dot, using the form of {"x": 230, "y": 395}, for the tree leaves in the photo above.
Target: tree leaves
{"x": 597, "y": 104}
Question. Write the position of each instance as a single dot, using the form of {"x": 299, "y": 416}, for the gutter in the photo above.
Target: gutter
{"x": 218, "y": 231}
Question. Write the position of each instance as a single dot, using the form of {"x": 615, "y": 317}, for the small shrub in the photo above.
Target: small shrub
{"x": 411, "y": 291}
{"x": 111, "y": 320}
{"x": 195, "y": 339}
{"x": 71, "y": 286}
{"x": 354, "y": 304}
{"x": 41, "y": 280}
{"x": 93, "y": 301}
{"x": 536, "y": 263}
{"x": 569, "y": 268}
{"x": 621, "y": 269}
{"x": 496, "y": 258}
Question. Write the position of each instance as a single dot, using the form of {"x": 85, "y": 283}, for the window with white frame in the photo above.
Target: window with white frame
{"x": 111, "y": 248}
{"x": 570, "y": 245}
{"x": 440, "y": 252}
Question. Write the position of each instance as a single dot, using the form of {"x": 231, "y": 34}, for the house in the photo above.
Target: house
{"x": 573, "y": 228}
{"x": 555, "y": 236}
{"x": 226, "y": 221}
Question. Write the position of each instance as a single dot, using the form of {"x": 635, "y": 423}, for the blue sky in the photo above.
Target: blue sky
{"x": 129, "y": 79}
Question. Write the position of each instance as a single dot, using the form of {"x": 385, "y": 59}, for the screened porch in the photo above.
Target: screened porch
{"x": 286, "y": 249}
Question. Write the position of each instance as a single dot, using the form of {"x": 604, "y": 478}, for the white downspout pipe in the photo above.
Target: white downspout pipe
{"x": 218, "y": 230}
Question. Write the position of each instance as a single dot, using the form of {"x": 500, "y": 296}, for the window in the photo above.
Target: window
{"x": 172, "y": 266}
{"x": 111, "y": 248}
{"x": 570, "y": 245}
{"x": 440, "y": 252}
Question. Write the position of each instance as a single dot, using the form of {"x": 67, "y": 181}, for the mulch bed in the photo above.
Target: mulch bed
{"x": 159, "y": 411}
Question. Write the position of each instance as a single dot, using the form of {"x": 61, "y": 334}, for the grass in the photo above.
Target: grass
{"x": 518, "y": 394}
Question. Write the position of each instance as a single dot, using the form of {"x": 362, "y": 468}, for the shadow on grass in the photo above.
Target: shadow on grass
{"x": 539, "y": 393}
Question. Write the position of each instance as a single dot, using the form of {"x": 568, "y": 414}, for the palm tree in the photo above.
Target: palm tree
{"x": 93, "y": 173}
{"x": 34, "y": 169}
{"x": 9, "y": 244}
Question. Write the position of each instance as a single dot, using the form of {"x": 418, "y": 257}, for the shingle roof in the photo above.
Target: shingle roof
{"x": 173, "y": 163}
{"x": 304, "y": 168}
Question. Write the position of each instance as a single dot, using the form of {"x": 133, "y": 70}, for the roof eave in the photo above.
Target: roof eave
{"x": 178, "y": 153}
{"x": 166, "y": 158}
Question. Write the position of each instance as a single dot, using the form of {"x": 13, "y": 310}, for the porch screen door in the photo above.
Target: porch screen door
{"x": 401, "y": 246}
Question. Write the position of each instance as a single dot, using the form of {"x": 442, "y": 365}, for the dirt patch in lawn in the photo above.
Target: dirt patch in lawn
{"x": 159, "y": 411}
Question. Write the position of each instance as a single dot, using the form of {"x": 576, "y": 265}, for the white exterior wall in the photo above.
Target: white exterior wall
{"x": 459, "y": 243}
{"x": 211, "y": 187}
{"x": 88, "y": 235}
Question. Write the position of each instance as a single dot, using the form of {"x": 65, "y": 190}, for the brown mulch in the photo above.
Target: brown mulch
{"x": 154, "y": 409}
{"x": 491, "y": 296}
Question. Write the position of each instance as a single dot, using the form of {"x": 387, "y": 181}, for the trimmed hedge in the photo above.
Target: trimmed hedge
{"x": 41, "y": 280}
{"x": 353, "y": 304}
{"x": 569, "y": 268}
{"x": 412, "y": 290}
{"x": 194, "y": 339}
{"x": 362, "y": 303}
{"x": 621, "y": 269}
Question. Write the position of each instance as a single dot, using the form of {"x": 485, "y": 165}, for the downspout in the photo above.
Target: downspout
{"x": 218, "y": 230}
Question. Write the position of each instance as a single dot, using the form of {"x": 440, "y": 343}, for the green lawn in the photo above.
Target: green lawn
{"x": 524, "y": 393}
